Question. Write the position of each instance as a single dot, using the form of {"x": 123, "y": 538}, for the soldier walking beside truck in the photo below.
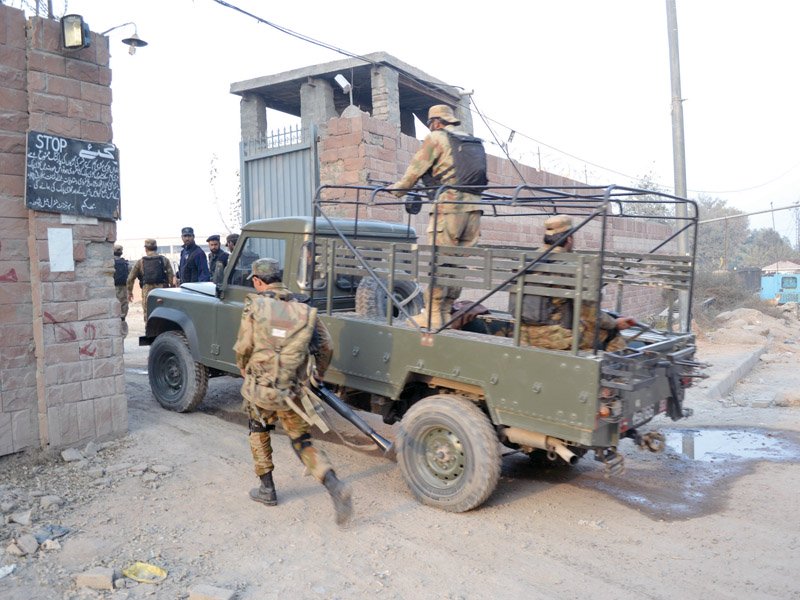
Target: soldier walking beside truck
{"x": 152, "y": 270}
{"x": 277, "y": 335}
{"x": 455, "y": 216}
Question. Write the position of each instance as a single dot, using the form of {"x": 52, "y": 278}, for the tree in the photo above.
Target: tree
{"x": 648, "y": 205}
{"x": 718, "y": 242}
{"x": 764, "y": 247}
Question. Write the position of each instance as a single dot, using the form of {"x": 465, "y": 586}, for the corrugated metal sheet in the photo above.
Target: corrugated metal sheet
{"x": 279, "y": 174}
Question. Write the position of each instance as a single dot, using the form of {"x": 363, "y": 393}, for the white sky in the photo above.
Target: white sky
{"x": 583, "y": 78}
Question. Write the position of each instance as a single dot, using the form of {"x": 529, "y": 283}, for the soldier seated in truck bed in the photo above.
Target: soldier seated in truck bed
{"x": 546, "y": 321}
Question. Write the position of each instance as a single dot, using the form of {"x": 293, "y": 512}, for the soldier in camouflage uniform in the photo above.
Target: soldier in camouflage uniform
{"x": 558, "y": 337}
{"x": 152, "y": 270}
{"x": 121, "y": 270}
{"x": 274, "y": 376}
{"x": 455, "y": 215}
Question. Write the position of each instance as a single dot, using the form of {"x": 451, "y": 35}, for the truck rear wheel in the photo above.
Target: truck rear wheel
{"x": 448, "y": 453}
{"x": 177, "y": 382}
{"x": 371, "y": 300}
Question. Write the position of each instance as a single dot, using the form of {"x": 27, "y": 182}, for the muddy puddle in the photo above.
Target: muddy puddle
{"x": 692, "y": 477}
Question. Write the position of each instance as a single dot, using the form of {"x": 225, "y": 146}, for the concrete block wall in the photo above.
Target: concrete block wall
{"x": 363, "y": 150}
{"x": 62, "y": 376}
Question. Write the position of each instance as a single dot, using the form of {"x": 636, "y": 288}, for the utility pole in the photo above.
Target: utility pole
{"x": 678, "y": 148}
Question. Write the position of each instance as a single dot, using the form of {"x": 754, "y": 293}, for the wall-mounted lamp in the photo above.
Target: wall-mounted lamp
{"x": 74, "y": 32}
{"x": 134, "y": 41}
{"x": 346, "y": 86}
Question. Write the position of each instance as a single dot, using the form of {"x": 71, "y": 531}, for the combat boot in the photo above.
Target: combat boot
{"x": 438, "y": 315}
{"x": 265, "y": 493}
{"x": 340, "y": 494}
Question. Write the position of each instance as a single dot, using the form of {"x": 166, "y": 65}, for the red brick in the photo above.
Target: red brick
{"x": 68, "y": 373}
{"x": 45, "y": 34}
{"x": 46, "y": 63}
{"x": 12, "y": 78}
{"x": 97, "y": 132}
{"x": 13, "y": 100}
{"x": 14, "y": 379}
{"x": 63, "y": 86}
{"x": 63, "y": 126}
{"x": 81, "y": 109}
{"x": 13, "y": 121}
{"x": 13, "y": 58}
{"x": 13, "y": 357}
{"x": 19, "y": 399}
{"x": 37, "y": 82}
{"x": 70, "y": 291}
{"x": 60, "y": 312}
{"x": 16, "y": 314}
{"x": 48, "y": 104}
{"x": 63, "y": 393}
{"x": 82, "y": 71}
{"x": 104, "y": 75}
{"x": 13, "y": 185}
{"x": 99, "y": 94}
{"x": 99, "y": 388}
{"x": 12, "y": 164}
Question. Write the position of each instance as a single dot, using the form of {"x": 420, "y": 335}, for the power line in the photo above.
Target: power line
{"x": 659, "y": 186}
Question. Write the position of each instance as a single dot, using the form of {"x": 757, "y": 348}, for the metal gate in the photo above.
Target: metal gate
{"x": 279, "y": 174}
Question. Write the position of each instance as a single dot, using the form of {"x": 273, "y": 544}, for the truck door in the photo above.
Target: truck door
{"x": 236, "y": 287}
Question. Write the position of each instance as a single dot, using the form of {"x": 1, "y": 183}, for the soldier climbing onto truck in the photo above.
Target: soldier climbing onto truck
{"x": 448, "y": 157}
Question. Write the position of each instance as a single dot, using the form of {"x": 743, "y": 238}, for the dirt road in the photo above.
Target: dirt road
{"x": 174, "y": 493}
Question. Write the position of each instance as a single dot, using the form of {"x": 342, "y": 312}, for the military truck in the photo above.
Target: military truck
{"x": 466, "y": 392}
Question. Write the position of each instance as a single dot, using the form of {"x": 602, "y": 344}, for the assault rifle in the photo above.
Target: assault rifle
{"x": 328, "y": 397}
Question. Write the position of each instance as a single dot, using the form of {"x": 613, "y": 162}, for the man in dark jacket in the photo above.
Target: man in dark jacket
{"x": 216, "y": 255}
{"x": 194, "y": 265}
{"x": 121, "y": 270}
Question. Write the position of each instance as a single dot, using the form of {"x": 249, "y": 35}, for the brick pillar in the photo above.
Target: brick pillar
{"x": 463, "y": 114}
{"x": 385, "y": 94}
{"x": 62, "y": 378}
{"x": 316, "y": 103}
{"x": 253, "y": 114}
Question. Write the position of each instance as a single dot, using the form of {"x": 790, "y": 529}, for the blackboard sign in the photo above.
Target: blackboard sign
{"x": 72, "y": 176}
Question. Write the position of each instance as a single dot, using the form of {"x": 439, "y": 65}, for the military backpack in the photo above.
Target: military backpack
{"x": 153, "y": 270}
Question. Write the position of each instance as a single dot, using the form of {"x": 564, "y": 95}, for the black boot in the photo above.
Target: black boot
{"x": 265, "y": 493}
{"x": 340, "y": 494}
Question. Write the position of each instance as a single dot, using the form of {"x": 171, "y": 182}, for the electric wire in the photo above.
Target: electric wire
{"x": 659, "y": 186}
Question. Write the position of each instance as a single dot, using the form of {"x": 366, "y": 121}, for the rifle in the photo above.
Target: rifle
{"x": 328, "y": 397}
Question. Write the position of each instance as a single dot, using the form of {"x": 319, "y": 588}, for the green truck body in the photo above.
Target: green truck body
{"x": 456, "y": 392}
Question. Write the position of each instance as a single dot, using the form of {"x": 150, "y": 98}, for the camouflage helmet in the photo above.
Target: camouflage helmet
{"x": 117, "y": 249}
{"x": 557, "y": 224}
{"x": 443, "y": 112}
{"x": 150, "y": 244}
{"x": 265, "y": 269}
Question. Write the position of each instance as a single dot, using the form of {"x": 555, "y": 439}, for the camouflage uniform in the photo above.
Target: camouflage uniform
{"x": 265, "y": 402}
{"x": 138, "y": 272}
{"x": 455, "y": 217}
{"x": 557, "y": 337}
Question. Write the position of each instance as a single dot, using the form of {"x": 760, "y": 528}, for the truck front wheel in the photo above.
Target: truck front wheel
{"x": 177, "y": 382}
{"x": 448, "y": 453}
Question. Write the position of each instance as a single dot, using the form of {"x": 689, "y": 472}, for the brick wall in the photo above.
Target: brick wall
{"x": 62, "y": 378}
{"x": 363, "y": 149}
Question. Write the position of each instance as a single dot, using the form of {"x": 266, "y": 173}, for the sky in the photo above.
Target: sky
{"x": 584, "y": 84}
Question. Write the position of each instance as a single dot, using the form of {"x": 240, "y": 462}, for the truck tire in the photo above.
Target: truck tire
{"x": 371, "y": 300}
{"x": 448, "y": 453}
{"x": 177, "y": 382}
